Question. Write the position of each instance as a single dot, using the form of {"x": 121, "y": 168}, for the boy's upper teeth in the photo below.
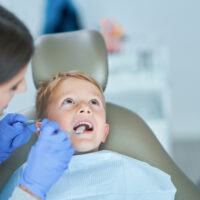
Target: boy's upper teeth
{"x": 83, "y": 123}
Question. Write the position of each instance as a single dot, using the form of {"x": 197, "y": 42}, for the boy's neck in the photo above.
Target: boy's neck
{"x": 80, "y": 153}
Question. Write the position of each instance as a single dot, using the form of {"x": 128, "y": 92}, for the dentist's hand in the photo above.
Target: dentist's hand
{"x": 47, "y": 160}
{"x": 13, "y": 133}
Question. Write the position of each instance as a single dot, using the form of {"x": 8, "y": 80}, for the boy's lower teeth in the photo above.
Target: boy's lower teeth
{"x": 80, "y": 129}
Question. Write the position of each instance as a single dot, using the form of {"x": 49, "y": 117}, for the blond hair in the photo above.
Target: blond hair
{"x": 46, "y": 88}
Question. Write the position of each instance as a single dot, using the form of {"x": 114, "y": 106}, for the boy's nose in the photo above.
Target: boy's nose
{"x": 84, "y": 109}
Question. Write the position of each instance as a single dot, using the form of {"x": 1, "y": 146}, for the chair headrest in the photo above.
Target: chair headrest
{"x": 83, "y": 50}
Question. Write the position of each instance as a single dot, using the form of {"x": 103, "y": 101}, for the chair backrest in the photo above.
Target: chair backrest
{"x": 85, "y": 50}
{"x": 57, "y": 53}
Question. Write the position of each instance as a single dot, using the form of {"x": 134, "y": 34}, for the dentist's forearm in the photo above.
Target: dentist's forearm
{"x": 28, "y": 191}
{"x": 20, "y": 194}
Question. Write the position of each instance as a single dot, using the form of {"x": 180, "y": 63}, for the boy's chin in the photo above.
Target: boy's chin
{"x": 79, "y": 151}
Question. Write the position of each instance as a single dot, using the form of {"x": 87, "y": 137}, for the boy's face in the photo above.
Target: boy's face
{"x": 75, "y": 103}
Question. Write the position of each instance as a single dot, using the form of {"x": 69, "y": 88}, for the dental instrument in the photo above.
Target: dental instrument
{"x": 34, "y": 121}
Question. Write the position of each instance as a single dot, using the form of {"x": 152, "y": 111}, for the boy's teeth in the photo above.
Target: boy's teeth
{"x": 83, "y": 124}
{"x": 87, "y": 123}
{"x": 80, "y": 129}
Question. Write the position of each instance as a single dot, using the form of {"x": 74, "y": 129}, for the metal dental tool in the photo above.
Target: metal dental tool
{"x": 33, "y": 121}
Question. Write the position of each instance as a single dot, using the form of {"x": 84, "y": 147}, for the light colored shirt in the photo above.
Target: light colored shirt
{"x": 110, "y": 176}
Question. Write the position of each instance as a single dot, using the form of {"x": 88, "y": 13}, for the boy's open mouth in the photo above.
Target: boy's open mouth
{"x": 86, "y": 126}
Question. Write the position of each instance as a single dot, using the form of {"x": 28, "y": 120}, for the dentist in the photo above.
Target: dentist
{"x": 46, "y": 162}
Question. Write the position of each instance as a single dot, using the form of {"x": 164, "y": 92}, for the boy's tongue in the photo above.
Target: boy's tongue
{"x": 81, "y": 129}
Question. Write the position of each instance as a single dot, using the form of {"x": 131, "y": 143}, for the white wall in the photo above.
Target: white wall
{"x": 30, "y": 12}
{"x": 174, "y": 23}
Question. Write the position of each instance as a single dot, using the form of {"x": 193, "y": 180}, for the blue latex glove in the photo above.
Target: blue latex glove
{"x": 47, "y": 160}
{"x": 13, "y": 133}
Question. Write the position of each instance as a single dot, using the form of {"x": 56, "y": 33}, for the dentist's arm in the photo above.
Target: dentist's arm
{"x": 20, "y": 194}
{"x": 47, "y": 160}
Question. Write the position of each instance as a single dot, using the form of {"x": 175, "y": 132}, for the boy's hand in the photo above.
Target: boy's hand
{"x": 47, "y": 160}
{"x": 13, "y": 133}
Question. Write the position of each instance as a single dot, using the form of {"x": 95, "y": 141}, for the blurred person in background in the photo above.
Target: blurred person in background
{"x": 61, "y": 16}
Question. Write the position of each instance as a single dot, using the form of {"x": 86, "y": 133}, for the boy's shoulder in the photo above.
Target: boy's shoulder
{"x": 111, "y": 158}
{"x": 106, "y": 157}
{"x": 133, "y": 163}
{"x": 114, "y": 169}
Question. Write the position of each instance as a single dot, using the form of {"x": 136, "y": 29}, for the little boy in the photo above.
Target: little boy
{"x": 76, "y": 102}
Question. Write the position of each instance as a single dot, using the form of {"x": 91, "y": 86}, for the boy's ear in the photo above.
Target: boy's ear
{"x": 105, "y": 133}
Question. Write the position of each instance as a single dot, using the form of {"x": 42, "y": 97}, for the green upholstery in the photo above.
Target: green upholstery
{"x": 85, "y": 50}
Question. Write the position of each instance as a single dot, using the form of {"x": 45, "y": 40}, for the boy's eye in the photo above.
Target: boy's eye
{"x": 94, "y": 102}
{"x": 68, "y": 101}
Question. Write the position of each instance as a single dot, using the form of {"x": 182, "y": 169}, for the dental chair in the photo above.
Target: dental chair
{"x": 85, "y": 50}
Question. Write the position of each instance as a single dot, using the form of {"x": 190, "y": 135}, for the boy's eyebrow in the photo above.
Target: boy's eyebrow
{"x": 71, "y": 95}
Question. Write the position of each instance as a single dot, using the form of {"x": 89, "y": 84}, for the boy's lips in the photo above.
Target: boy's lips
{"x": 86, "y": 126}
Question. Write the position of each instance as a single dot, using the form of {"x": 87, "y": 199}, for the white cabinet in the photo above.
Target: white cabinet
{"x": 144, "y": 91}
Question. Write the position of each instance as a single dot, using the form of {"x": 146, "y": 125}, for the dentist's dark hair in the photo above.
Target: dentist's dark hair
{"x": 16, "y": 45}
